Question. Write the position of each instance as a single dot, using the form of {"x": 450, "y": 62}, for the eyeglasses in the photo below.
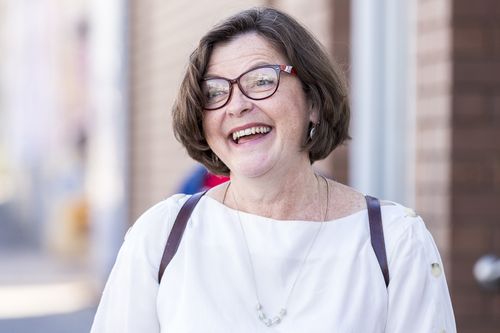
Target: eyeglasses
{"x": 257, "y": 83}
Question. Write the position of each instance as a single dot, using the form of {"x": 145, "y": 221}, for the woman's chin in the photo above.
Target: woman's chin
{"x": 250, "y": 172}
{"x": 251, "y": 169}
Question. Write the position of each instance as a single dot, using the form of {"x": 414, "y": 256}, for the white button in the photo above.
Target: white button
{"x": 436, "y": 269}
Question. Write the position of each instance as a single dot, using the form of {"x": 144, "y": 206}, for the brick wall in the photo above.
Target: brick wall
{"x": 458, "y": 130}
{"x": 433, "y": 119}
{"x": 475, "y": 158}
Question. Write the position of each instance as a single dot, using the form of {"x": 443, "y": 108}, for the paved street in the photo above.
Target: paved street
{"x": 75, "y": 322}
{"x": 40, "y": 293}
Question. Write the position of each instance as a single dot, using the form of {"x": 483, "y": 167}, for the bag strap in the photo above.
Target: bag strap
{"x": 374, "y": 217}
{"x": 377, "y": 235}
{"x": 174, "y": 239}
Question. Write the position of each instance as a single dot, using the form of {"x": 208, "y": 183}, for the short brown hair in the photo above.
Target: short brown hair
{"x": 322, "y": 81}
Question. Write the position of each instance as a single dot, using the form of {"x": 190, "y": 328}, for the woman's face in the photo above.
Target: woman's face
{"x": 284, "y": 116}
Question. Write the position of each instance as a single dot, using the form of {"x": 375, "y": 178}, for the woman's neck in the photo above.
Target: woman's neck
{"x": 291, "y": 195}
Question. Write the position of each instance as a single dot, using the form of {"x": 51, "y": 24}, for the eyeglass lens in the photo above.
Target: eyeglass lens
{"x": 256, "y": 84}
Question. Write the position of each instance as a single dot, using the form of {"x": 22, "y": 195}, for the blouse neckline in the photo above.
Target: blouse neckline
{"x": 271, "y": 220}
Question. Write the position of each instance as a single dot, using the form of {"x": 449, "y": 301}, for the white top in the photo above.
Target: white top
{"x": 208, "y": 285}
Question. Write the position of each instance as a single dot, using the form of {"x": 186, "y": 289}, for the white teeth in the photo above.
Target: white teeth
{"x": 249, "y": 131}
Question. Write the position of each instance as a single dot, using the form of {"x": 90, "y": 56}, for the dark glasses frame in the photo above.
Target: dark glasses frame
{"x": 278, "y": 68}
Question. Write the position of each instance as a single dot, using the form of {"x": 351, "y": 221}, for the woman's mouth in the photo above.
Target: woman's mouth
{"x": 250, "y": 133}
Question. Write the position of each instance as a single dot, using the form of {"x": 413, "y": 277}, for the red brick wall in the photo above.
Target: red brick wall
{"x": 433, "y": 114}
{"x": 475, "y": 186}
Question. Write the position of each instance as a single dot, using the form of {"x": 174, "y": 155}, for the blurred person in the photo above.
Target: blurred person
{"x": 200, "y": 179}
{"x": 278, "y": 248}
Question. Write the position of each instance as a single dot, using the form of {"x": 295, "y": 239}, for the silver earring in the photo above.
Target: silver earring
{"x": 312, "y": 131}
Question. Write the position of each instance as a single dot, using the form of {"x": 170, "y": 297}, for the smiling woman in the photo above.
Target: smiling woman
{"x": 277, "y": 247}
{"x": 259, "y": 97}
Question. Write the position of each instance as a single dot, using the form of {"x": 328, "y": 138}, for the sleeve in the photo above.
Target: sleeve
{"x": 419, "y": 300}
{"x": 128, "y": 303}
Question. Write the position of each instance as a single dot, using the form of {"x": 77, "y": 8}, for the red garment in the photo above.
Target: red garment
{"x": 212, "y": 180}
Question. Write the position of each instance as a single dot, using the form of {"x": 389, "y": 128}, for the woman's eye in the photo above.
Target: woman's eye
{"x": 263, "y": 82}
{"x": 214, "y": 93}
{"x": 215, "y": 89}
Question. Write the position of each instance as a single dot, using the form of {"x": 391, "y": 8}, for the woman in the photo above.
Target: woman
{"x": 278, "y": 248}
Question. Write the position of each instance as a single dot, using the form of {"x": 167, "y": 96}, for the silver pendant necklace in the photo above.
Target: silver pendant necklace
{"x": 275, "y": 320}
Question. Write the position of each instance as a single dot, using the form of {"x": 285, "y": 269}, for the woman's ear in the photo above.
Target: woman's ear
{"x": 313, "y": 113}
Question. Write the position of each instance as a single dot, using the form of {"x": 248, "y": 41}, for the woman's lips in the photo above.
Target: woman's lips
{"x": 249, "y": 138}
{"x": 249, "y": 133}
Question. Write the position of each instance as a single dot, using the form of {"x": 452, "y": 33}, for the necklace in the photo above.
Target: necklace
{"x": 268, "y": 321}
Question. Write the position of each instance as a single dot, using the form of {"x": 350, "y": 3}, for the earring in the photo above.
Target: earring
{"x": 312, "y": 131}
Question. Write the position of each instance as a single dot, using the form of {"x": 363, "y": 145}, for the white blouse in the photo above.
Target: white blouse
{"x": 208, "y": 286}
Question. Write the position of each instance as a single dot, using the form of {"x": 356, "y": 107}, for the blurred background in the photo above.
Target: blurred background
{"x": 86, "y": 143}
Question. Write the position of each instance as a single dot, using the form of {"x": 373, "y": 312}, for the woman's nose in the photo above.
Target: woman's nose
{"x": 238, "y": 103}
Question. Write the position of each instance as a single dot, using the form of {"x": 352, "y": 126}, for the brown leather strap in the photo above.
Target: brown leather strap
{"x": 174, "y": 239}
{"x": 374, "y": 217}
{"x": 377, "y": 235}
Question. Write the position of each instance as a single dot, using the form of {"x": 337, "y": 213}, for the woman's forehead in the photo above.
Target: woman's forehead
{"x": 233, "y": 57}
